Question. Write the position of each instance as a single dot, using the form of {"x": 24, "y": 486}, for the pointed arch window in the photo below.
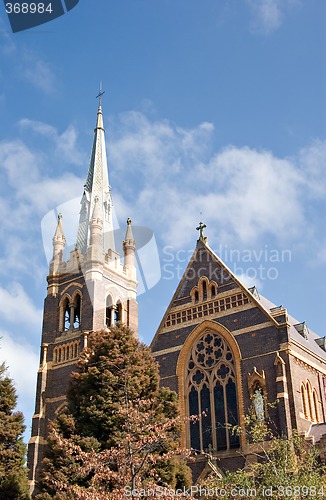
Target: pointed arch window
{"x": 113, "y": 313}
{"x": 77, "y": 304}
{"x": 204, "y": 290}
{"x": 66, "y": 315}
{"x": 304, "y": 401}
{"x": 309, "y": 400}
{"x": 211, "y": 394}
{"x": 315, "y": 406}
{"x": 108, "y": 311}
{"x": 118, "y": 313}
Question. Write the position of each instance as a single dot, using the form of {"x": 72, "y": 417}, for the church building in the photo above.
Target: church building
{"x": 220, "y": 345}
{"x": 224, "y": 348}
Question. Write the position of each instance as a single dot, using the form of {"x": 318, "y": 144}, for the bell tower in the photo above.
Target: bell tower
{"x": 90, "y": 290}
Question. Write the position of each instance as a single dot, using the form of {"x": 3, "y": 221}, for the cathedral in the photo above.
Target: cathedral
{"x": 220, "y": 345}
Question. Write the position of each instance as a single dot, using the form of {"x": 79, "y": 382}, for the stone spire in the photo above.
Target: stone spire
{"x": 59, "y": 242}
{"x": 129, "y": 246}
{"x": 97, "y": 185}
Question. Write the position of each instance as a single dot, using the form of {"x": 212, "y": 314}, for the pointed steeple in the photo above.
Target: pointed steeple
{"x": 97, "y": 185}
{"x": 59, "y": 242}
{"x": 129, "y": 245}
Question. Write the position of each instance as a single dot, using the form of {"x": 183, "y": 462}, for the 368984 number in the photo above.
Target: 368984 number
{"x": 28, "y": 8}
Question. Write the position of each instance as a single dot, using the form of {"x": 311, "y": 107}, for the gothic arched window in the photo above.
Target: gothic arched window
{"x": 204, "y": 290}
{"x": 108, "y": 308}
{"x": 77, "y": 311}
{"x": 304, "y": 401}
{"x": 309, "y": 402}
{"x": 66, "y": 315}
{"x": 211, "y": 394}
{"x": 118, "y": 313}
{"x": 315, "y": 405}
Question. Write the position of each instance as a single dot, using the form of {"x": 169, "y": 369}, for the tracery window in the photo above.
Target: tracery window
{"x": 211, "y": 394}
{"x": 70, "y": 313}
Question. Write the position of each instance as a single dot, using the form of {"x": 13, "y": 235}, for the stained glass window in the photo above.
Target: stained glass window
{"x": 211, "y": 394}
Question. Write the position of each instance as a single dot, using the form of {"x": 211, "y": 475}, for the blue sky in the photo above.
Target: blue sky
{"x": 214, "y": 110}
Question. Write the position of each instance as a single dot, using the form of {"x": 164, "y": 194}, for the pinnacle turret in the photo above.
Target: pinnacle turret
{"x": 129, "y": 245}
{"x": 59, "y": 242}
{"x": 96, "y": 224}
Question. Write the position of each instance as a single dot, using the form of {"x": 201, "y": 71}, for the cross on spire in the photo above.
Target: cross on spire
{"x": 100, "y": 95}
{"x": 201, "y": 228}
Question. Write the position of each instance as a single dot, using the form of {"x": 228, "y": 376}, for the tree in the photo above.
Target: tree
{"x": 120, "y": 428}
{"x": 13, "y": 474}
{"x": 279, "y": 467}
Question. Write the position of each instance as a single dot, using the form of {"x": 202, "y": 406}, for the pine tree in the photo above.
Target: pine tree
{"x": 13, "y": 474}
{"x": 119, "y": 428}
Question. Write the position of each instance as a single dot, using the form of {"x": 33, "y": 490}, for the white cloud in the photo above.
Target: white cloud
{"x": 156, "y": 149}
{"x": 22, "y": 362}
{"x": 66, "y": 143}
{"x": 28, "y": 194}
{"x": 27, "y": 64}
{"x": 16, "y": 307}
{"x": 19, "y": 162}
{"x": 38, "y": 72}
{"x": 250, "y": 280}
{"x": 268, "y": 15}
{"x": 243, "y": 194}
{"x": 312, "y": 161}
{"x": 168, "y": 178}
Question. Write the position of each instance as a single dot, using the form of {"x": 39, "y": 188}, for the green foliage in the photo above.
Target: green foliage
{"x": 13, "y": 474}
{"x": 114, "y": 363}
{"x": 278, "y": 467}
{"x": 119, "y": 427}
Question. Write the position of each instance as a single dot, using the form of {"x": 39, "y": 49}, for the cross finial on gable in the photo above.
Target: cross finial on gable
{"x": 201, "y": 228}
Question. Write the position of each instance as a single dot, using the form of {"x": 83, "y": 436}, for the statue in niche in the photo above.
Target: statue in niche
{"x": 258, "y": 401}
